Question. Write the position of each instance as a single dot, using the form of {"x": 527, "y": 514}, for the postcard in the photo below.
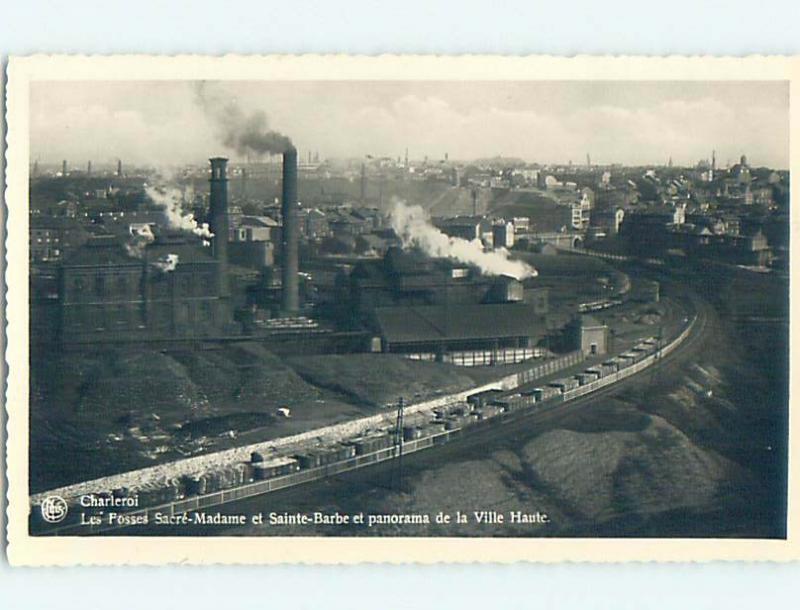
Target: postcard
{"x": 333, "y": 309}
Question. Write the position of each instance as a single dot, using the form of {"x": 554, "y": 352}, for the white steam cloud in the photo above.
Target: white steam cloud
{"x": 166, "y": 263}
{"x": 141, "y": 237}
{"x": 169, "y": 199}
{"x": 412, "y": 224}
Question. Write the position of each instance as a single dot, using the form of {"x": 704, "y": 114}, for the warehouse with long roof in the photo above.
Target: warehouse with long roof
{"x": 438, "y": 328}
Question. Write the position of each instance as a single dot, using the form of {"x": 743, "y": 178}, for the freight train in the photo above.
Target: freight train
{"x": 266, "y": 473}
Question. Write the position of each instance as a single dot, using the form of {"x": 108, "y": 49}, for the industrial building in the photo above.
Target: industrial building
{"x": 409, "y": 277}
{"x": 505, "y": 332}
{"x": 162, "y": 286}
{"x": 429, "y": 308}
{"x": 176, "y": 290}
{"x": 590, "y": 335}
{"x": 168, "y": 287}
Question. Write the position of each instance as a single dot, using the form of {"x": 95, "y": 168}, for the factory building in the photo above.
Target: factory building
{"x": 467, "y": 227}
{"x": 590, "y": 335}
{"x": 506, "y": 332}
{"x": 174, "y": 291}
{"x": 408, "y": 277}
{"x": 428, "y": 309}
{"x": 168, "y": 288}
{"x": 252, "y": 242}
{"x": 503, "y": 234}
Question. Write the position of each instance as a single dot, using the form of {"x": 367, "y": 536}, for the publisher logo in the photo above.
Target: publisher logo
{"x": 54, "y": 509}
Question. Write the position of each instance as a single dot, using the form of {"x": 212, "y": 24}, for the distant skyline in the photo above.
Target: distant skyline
{"x": 632, "y": 123}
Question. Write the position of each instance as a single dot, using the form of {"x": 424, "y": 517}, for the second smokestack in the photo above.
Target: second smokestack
{"x": 290, "y": 301}
{"x": 218, "y": 215}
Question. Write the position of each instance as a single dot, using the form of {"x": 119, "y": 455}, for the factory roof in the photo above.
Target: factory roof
{"x": 411, "y": 261}
{"x": 100, "y": 251}
{"x": 258, "y": 221}
{"x": 434, "y": 322}
{"x": 187, "y": 252}
{"x": 589, "y": 321}
{"x": 458, "y": 221}
{"x": 109, "y": 250}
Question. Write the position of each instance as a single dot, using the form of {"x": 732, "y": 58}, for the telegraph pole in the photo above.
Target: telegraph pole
{"x": 397, "y": 465}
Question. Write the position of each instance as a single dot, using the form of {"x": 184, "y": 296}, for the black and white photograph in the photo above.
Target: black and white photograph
{"x": 425, "y": 309}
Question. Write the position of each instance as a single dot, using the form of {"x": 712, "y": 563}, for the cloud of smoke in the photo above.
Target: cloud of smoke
{"x": 141, "y": 236}
{"x": 246, "y": 133}
{"x": 166, "y": 263}
{"x": 170, "y": 200}
{"x": 412, "y": 224}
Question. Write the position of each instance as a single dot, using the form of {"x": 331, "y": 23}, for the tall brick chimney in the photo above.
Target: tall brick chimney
{"x": 218, "y": 217}
{"x": 290, "y": 298}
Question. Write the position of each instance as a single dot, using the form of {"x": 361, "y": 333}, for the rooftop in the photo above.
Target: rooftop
{"x": 432, "y": 322}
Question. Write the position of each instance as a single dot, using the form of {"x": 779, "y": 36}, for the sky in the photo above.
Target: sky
{"x": 633, "y": 123}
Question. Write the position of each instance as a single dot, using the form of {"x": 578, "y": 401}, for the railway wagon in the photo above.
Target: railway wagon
{"x": 411, "y": 433}
{"x": 564, "y": 384}
{"x": 370, "y": 444}
{"x": 531, "y": 396}
{"x": 585, "y": 378}
{"x": 433, "y": 427}
{"x": 625, "y": 360}
{"x": 459, "y": 421}
{"x": 622, "y": 362}
{"x": 596, "y": 372}
{"x": 489, "y": 411}
{"x": 206, "y": 482}
{"x": 248, "y": 472}
{"x": 195, "y": 485}
{"x": 515, "y": 401}
{"x": 274, "y": 468}
{"x": 609, "y": 366}
{"x": 452, "y": 423}
{"x": 341, "y": 451}
{"x": 458, "y": 410}
{"x": 232, "y": 475}
{"x": 325, "y": 456}
{"x": 635, "y": 356}
{"x": 545, "y": 393}
{"x": 480, "y": 399}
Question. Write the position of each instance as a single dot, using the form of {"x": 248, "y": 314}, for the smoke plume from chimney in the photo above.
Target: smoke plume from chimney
{"x": 169, "y": 199}
{"x": 166, "y": 263}
{"x": 246, "y": 133}
{"x": 140, "y": 237}
{"x": 412, "y": 224}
